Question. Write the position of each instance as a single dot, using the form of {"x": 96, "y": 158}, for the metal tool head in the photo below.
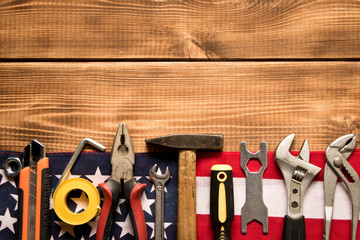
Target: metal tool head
{"x": 190, "y": 141}
{"x": 336, "y": 157}
{"x": 343, "y": 145}
{"x": 295, "y": 168}
{"x": 33, "y": 152}
{"x": 122, "y": 155}
{"x": 337, "y": 166}
{"x": 154, "y": 176}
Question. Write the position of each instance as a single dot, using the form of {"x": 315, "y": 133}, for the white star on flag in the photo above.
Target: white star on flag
{"x": 118, "y": 209}
{"x": 15, "y": 196}
{"x": 65, "y": 228}
{"x": 97, "y": 177}
{"x": 126, "y": 227}
{"x": 68, "y": 176}
{"x": 7, "y": 221}
{"x": 146, "y": 202}
{"x": 93, "y": 225}
{"x": 6, "y": 178}
{"x": 81, "y": 202}
{"x": 152, "y": 225}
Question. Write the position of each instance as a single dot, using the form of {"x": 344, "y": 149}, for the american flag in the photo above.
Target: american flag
{"x": 96, "y": 168}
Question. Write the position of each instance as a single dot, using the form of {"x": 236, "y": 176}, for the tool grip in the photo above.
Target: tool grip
{"x": 42, "y": 219}
{"x": 221, "y": 201}
{"x": 23, "y": 203}
{"x": 294, "y": 229}
{"x": 111, "y": 190}
{"x": 132, "y": 192}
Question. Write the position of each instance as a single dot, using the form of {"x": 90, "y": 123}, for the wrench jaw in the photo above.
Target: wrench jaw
{"x": 159, "y": 181}
{"x": 155, "y": 177}
{"x": 297, "y": 172}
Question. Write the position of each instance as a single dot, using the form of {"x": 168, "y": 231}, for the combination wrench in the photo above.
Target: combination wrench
{"x": 159, "y": 181}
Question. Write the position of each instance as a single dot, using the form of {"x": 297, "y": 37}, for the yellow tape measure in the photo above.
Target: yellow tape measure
{"x": 60, "y": 205}
{"x": 64, "y": 187}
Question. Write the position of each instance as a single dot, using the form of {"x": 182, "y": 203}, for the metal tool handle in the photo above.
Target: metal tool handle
{"x": 294, "y": 229}
{"x": 111, "y": 190}
{"x": 132, "y": 192}
{"x": 159, "y": 211}
{"x": 221, "y": 201}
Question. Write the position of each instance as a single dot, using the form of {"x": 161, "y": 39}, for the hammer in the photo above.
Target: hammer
{"x": 187, "y": 145}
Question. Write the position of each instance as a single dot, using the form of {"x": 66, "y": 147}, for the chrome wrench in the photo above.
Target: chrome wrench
{"x": 159, "y": 181}
{"x": 298, "y": 173}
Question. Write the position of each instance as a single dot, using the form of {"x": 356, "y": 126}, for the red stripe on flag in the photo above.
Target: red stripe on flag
{"x": 341, "y": 229}
{"x": 207, "y": 159}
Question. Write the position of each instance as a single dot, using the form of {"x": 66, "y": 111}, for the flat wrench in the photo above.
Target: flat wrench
{"x": 159, "y": 182}
{"x": 254, "y": 207}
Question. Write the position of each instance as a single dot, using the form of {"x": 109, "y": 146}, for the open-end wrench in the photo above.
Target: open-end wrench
{"x": 159, "y": 182}
{"x": 254, "y": 207}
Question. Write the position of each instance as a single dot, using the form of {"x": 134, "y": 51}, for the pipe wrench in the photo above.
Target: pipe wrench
{"x": 298, "y": 174}
{"x": 122, "y": 182}
{"x": 34, "y": 194}
{"x": 336, "y": 167}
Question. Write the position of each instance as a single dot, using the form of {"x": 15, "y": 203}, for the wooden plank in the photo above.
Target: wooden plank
{"x": 217, "y": 29}
{"x": 61, "y": 103}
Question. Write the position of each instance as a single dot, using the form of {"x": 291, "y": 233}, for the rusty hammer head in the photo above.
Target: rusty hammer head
{"x": 189, "y": 141}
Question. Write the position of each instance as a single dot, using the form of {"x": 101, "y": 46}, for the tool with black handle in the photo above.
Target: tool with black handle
{"x": 221, "y": 201}
{"x": 298, "y": 173}
{"x": 34, "y": 194}
{"x": 122, "y": 181}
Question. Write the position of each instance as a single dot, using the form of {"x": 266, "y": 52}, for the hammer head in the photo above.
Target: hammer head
{"x": 189, "y": 141}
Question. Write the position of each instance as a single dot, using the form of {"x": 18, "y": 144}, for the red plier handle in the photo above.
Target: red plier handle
{"x": 132, "y": 191}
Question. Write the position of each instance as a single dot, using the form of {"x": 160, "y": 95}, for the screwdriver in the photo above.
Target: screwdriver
{"x": 221, "y": 200}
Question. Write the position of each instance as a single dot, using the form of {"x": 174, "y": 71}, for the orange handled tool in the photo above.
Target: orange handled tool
{"x": 34, "y": 194}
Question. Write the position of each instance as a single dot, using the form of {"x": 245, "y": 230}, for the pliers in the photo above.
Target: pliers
{"x": 122, "y": 182}
{"x": 336, "y": 166}
{"x": 298, "y": 173}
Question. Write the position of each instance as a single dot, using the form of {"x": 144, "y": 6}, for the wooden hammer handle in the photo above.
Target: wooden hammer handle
{"x": 186, "y": 228}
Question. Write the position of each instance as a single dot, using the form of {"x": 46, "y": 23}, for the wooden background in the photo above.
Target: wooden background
{"x": 251, "y": 69}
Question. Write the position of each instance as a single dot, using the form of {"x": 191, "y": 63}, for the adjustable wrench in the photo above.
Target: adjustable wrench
{"x": 159, "y": 182}
{"x": 298, "y": 174}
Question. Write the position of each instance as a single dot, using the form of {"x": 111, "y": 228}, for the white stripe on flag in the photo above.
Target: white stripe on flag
{"x": 274, "y": 195}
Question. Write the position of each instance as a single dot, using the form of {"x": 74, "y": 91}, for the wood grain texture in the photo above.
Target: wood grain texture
{"x": 172, "y": 29}
{"x": 61, "y": 103}
{"x": 186, "y": 210}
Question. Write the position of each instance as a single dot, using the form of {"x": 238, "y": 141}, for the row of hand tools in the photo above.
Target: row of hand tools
{"x": 298, "y": 173}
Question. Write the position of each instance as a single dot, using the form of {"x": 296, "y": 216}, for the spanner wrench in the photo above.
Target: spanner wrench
{"x": 159, "y": 181}
{"x": 254, "y": 207}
